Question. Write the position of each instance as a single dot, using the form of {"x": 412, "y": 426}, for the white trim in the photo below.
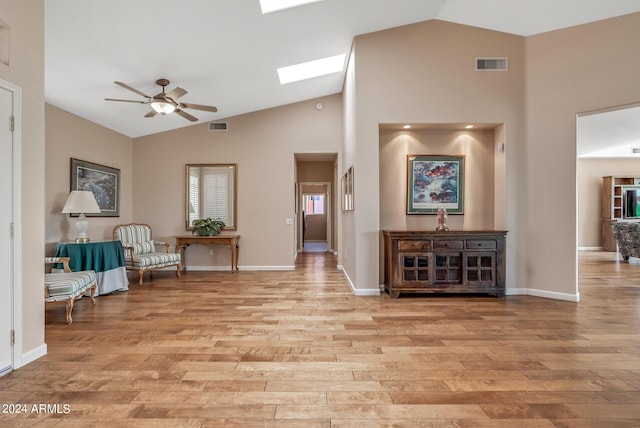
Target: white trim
{"x": 34, "y": 354}
{"x": 543, "y": 293}
{"x": 243, "y": 268}
{"x": 553, "y": 295}
{"x": 589, "y": 248}
{"x": 359, "y": 291}
{"x": 18, "y": 358}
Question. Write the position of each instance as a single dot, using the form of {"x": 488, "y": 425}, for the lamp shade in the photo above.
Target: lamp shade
{"x": 81, "y": 202}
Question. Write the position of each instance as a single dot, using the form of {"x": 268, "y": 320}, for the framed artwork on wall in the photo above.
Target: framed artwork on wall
{"x": 347, "y": 190}
{"x": 103, "y": 181}
{"x": 433, "y": 182}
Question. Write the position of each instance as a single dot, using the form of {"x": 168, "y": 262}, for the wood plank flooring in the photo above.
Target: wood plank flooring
{"x": 297, "y": 349}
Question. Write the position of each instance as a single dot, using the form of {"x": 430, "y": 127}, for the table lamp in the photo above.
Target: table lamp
{"x": 81, "y": 202}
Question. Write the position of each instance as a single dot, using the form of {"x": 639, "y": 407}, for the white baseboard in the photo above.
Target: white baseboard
{"x": 33, "y": 355}
{"x": 542, "y": 293}
{"x": 360, "y": 291}
{"x": 228, "y": 268}
{"x": 589, "y": 248}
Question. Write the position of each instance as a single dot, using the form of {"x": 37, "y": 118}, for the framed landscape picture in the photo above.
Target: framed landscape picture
{"x": 102, "y": 181}
{"x": 433, "y": 182}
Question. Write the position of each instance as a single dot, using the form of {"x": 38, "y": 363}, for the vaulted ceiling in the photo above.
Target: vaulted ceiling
{"x": 226, "y": 52}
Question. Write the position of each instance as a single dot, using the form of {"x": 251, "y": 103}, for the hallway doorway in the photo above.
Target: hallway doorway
{"x": 315, "y": 203}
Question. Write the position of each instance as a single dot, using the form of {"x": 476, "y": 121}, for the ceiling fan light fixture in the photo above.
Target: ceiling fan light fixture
{"x": 162, "y": 107}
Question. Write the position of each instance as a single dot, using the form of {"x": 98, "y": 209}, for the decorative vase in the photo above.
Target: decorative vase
{"x": 442, "y": 220}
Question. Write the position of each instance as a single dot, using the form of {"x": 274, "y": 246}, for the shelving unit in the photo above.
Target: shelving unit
{"x": 612, "y": 207}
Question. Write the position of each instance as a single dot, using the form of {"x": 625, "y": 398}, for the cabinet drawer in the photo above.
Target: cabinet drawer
{"x": 414, "y": 245}
{"x": 447, "y": 245}
{"x": 481, "y": 245}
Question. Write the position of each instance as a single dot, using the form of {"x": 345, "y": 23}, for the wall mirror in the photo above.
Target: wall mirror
{"x": 211, "y": 192}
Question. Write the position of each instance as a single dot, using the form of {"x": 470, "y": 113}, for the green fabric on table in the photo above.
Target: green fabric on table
{"x": 96, "y": 256}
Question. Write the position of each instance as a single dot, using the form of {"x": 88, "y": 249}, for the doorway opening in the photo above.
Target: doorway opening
{"x": 316, "y": 221}
{"x": 316, "y": 228}
{"x": 607, "y": 145}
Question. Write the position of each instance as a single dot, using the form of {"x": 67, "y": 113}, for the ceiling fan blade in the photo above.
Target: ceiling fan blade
{"x": 126, "y": 101}
{"x": 199, "y": 107}
{"x": 186, "y": 115}
{"x": 124, "y": 85}
{"x": 151, "y": 113}
{"x": 176, "y": 93}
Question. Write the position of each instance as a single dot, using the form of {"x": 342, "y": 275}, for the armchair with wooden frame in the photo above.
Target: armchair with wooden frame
{"x": 140, "y": 249}
{"x": 67, "y": 286}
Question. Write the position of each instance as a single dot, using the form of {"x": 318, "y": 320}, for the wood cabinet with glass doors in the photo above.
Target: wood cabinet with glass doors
{"x": 444, "y": 262}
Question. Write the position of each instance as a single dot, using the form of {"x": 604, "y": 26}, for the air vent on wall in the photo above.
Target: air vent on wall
{"x": 218, "y": 126}
{"x": 491, "y": 64}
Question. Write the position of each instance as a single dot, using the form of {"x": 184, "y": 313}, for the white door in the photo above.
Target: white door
{"x": 6, "y": 225}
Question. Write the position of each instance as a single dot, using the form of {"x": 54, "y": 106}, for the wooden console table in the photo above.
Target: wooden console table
{"x": 230, "y": 241}
{"x": 444, "y": 262}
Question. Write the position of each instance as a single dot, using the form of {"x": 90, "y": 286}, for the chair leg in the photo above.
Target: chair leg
{"x": 140, "y": 272}
{"x": 93, "y": 293}
{"x": 69, "y": 307}
{"x": 179, "y": 267}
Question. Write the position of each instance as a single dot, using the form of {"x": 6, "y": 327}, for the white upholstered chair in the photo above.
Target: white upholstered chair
{"x": 140, "y": 249}
{"x": 67, "y": 286}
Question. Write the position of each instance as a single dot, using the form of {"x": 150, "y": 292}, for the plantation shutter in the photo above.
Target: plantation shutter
{"x": 194, "y": 191}
{"x": 216, "y": 203}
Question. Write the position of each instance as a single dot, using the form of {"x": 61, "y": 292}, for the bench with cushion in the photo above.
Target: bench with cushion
{"x": 140, "y": 249}
{"x": 67, "y": 286}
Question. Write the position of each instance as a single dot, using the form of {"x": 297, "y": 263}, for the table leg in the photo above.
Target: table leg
{"x": 237, "y": 251}
{"x": 183, "y": 257}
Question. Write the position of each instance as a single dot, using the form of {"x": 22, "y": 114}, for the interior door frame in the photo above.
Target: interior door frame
{"x": 329, "y": 208}
{"x": 16, "y": 220}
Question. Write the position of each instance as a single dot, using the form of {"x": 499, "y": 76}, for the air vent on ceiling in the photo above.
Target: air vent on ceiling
{"x": 491, "y": 64}
{"x": 635, "y": 150}
{"x": 218, "y": 126}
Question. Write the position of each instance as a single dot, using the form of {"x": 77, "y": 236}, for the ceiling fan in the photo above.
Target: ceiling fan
{"x": 165, "y": 103}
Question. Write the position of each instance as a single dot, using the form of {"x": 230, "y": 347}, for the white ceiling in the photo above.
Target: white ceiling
{"x": 225, "y": 52}
{"x": 612, "y": 133}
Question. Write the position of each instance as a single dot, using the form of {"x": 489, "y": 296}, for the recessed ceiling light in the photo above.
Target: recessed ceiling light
{"x": 468, "y": 127}
{"x": 269, "y": 6}
{"x": 407, "y": 127}
{"x": 308, "y": 70}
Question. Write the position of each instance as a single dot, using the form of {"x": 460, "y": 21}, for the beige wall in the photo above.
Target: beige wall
{"x": 69, "y": 136}
{"x": 590, "y": 173}
{"x": 26, "y": 70}
{"x": 584, "y": 68}
{"x": 424, "y": 73}
{"x": 477, "y": 147}
{"x": 263, "y": 145}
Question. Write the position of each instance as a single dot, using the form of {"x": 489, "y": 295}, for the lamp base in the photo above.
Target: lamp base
{"x": 82, "y": 239}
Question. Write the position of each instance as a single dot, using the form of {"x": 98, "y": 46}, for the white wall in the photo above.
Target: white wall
{"x": 26, "y": 70}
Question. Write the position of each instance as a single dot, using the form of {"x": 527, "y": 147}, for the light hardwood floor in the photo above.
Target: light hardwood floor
{"x": 297, "y": 349}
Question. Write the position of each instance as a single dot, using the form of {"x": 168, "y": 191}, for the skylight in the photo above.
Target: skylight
{"x": 311, "y": 69}
{"x": 269, "y": 6}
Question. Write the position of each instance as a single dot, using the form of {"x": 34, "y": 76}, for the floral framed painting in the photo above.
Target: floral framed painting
{"x": 433, "y": 182}
{"x": 102, "y": 181}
